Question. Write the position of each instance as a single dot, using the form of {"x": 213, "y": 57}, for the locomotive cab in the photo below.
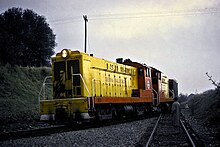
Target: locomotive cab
{"x": 144, "y": 79}
{"x": 156, "y": 84}
{"x": 173, "y": 88}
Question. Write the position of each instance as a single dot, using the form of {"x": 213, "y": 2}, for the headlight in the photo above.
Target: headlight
{"x": 64, "y": 53}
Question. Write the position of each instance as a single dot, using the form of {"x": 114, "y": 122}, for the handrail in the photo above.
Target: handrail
{"x": 83, "y": 83}
{"x": 156, "y": 94}
{"x": 43, "y": 86}
{"x": 42, "y": 90}
{"x": 89, "y": 95}
{"x": 172, "y": 93}
{"x": 94, "y": 87}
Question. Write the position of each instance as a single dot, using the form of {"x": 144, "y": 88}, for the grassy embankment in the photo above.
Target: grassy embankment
{"x": 19, "y": 88}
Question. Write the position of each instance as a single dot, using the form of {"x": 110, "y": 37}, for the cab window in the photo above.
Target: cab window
{"x": 140, "y": 71}
{"x": 147, "y": 72}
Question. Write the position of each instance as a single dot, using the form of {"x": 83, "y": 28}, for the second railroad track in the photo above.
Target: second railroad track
{"x": 165, "y": 134}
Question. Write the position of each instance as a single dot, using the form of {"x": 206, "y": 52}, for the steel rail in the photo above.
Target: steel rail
{"x": 64, "y": 128}
{"x": 152, "y": 133}
{"x": 31, "y": 132}
{"x": 188, "y": 135}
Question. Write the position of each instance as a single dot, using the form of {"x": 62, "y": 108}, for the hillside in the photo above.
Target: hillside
{"x": 204, "y": 114}
{"x": 207, "y": 106}
{"x": 19, "y": 88}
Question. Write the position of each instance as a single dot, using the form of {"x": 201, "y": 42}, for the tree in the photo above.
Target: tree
{"x": 25, "y": 38}
{"x": 213, "y": 82}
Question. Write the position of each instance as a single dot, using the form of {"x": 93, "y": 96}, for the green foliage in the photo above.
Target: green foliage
{"x": 19, "y": 89}
{"x": 25, "y": 38}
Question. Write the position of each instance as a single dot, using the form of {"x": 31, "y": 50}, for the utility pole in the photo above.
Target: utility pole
{"x": 86, "y": 20}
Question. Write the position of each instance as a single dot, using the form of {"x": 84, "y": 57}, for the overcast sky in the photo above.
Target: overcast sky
{"x": 181, "y": 38}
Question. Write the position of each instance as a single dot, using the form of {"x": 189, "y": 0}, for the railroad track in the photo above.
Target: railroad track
{"x": 65, "y": 128}
{"x": 33, "y": 132}
{"x": 164, "y": 134}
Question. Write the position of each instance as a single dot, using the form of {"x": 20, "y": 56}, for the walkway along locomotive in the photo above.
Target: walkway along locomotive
{"x": 85, "y": 87}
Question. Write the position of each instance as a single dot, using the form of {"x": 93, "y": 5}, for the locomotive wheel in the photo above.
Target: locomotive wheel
{"x": 114, "y": 114}
{"x": 104, "y": 114}
{"x": 100, "y": 118}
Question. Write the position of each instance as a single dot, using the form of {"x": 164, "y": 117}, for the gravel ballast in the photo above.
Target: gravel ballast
{"x": 205, "y": 133}
{"x": 127, "y": 134}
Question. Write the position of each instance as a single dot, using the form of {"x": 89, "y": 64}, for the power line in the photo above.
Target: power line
{"x": 66, "y": 20}
{"x": 192, "y": 12}
{"x": 169, "y": 13}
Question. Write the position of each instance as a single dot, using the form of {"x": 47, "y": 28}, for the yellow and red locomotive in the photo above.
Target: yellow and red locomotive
{"x": 85, "y": 87}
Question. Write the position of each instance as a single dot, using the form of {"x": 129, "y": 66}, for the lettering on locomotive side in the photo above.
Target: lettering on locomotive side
{"x": 111, "y": 80}
{"x": 120, "y": 69}
{"x": 110, "y": 66}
